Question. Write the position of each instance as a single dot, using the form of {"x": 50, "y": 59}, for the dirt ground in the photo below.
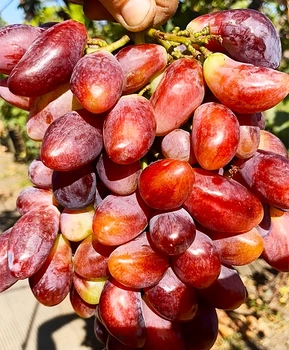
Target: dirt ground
{"x": 260, "y": 324}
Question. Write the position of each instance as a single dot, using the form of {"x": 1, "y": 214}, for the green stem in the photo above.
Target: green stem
{"x": 111, "y": 47}
{"x": 138, "y": 38}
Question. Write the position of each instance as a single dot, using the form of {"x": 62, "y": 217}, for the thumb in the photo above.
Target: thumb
{"x": 134, "y": 15}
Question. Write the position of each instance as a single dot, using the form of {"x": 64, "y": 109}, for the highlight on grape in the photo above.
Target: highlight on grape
{"x": 156, "y": 174}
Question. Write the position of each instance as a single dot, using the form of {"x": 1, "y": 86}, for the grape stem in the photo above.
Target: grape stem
{"x": 109, "y": 47}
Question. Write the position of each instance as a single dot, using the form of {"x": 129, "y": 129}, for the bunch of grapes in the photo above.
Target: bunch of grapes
{"x": 156, "y": 176}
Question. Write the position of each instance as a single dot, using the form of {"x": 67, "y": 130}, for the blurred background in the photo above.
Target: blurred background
{"x": 261, "y": 323}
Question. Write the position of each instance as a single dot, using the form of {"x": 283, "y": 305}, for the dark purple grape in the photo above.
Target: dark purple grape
{"x": 74, "y": 189}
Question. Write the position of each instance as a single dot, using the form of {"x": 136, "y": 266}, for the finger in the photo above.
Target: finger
{"x": 134, "y": 15}
{"x": 165, "y": 10}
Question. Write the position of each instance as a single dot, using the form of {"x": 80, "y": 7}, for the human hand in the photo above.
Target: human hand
{"x": 134, "y": 15}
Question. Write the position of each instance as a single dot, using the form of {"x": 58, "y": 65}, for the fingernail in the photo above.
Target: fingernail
{"x": 135, "y": 12}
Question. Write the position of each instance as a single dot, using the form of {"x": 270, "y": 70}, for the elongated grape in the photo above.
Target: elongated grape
{"x": 119, "y": 219}
{"x": 47, "y": 108}
{"x": 139, "y": 63}
{"x": 180, "y": 91}
{"x": 243, "y": 87}
{"x": 129, "y": 129}
{"x": 165, "y": 184}
{"x": 15, "y": 39}
{"x": 74, "y": 189}
{"x": 97, "y": 81}
{"x": 6, "y": 278}
{"x": 222, "y": 204}
{"x": 72, "y": 141}
{"x": 201, "y": 332}
{"x": 136, "y": 265}
{"x": 215, "y": 135}
{"x": 247, "y": 35}
{"x": 120, "y": 310}
{"x": 240, "y": 249}
{"x": 266, "y": 173}
{"x": 51, "y": 283}
{"x": 31, "y": 240}
{"x": 49, "y": 60}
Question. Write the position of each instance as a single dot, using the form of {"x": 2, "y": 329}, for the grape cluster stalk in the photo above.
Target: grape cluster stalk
{"x": 156, "y": 175}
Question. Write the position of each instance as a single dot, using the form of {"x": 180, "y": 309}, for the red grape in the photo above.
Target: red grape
{"x": 81, "y": 308}
{"x": 6, "y": 278}
{"x": 129, "y": 129}
{"x": 227, "y": 292}
{"x": 121, "y": 179}
{"x": 51, "y": 283}
{"x": 47, "y": 108}
{"x": 31, "y": 240}
{"x": 15, "y": 39}
{"x": 119, "y": 219}
{"x": 177, "y": 145}
{"x": 267, "y": 175}
{"x": 74, "y": 189}
{"x": 222, "y": 204}
{"x": 90, "y": 259}
{"x": 72, "y": 141}
{"x": 49, "y": 60}
{"x": 97, "y": 81}
{"x": 276, "y": 242}
{"x": 31, "y": 197}
{"x": 243, "y": 87}
{"x": 199, "y": 266}
{"x": 215, "y": 135}
{"x": 139, "y": 63}
{"x": 180, "y": 91}
{"x": 136, "y": 265}
{"x": 172, "y": 299}
{"x": 39, "y": 174}
{"x": 166, "y": 183}
{"x": 247, "y": 35}
{"x": 120, "y": 310}
{"x": 21, "y": 102}
{"x": 172, "y": 232}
